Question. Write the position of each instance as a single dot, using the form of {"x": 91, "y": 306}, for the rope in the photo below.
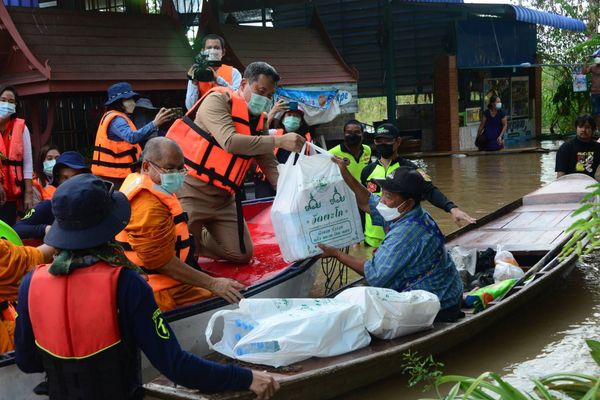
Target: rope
{"x": 336, "y": 273}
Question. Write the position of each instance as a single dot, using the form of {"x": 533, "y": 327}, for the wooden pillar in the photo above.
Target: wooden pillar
{"x": 445, "y": 103}
{"x": 537, "y": 87}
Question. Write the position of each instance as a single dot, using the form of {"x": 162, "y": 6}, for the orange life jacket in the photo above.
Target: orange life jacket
{"x": 67, "y": 321}
{"x": 205, "y": 158}
{"x": 11, "y": 154}
{"x": 113, "y": 159}
{"x": 224, "y": 71}
{"x": 133, "y": 185}
{"x": 46, "y": 192}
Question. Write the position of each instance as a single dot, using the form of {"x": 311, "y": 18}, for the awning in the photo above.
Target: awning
{"x": 544, "y": 18}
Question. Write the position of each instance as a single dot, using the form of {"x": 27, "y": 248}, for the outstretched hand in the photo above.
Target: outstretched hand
{"x": 461, "y": 218}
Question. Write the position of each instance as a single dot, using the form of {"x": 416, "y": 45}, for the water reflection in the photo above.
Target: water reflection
{"x": 546, "y": 337}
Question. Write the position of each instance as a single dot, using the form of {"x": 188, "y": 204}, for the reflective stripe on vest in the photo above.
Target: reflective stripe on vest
{"x": 204, "y": 156}
{"x": 224, "y": 71}
{"x": 133, "y": 185}
{"x": 113, "y": 159}
{"x": 67, "y": 321}
{"x": 374, "y": 233}
{"x": 11, "y": 159}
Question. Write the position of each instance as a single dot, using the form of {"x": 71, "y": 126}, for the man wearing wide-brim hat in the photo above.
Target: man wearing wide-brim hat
{"x": 116, "y": 149}
{"x": 90, "y": 312}
{"x": 412, "y": 255}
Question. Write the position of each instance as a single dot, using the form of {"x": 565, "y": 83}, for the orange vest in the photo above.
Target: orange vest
{"x": 63, "y": 313}
{"x": 133, "y": 185}
{"x": 11, "y": 154}
{"x": 204, "y": 157}
{"x": 113, "y": 159}
{"x": 224, "y": 71}
{"x": 46, "y": 192}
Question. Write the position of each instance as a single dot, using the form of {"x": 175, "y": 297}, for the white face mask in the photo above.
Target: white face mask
{"x": 7, "y": 109}
{"x": 597, "y": 60}
{"x": 498, "y": 106}
{"x": 388, "y": 213}
{"x": 49, "y": 167}
{"x": 129, "y": 106}
{"x": 213, "y": 54}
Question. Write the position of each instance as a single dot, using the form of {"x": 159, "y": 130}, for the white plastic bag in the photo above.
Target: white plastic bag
{"x": 390, "y": 314}
{"x": 464, "y": 259}
{"x": 313, "y": 205}
{"x": 280, "y": 332}
{"x": 506, "y": 266}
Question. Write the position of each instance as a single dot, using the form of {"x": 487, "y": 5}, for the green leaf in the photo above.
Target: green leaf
{"x": 594, "y": 346}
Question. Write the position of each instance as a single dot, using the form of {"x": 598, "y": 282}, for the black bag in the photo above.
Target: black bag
{"x": 480, "y": 141}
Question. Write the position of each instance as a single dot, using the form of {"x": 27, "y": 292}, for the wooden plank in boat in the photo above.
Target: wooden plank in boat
{"x": 567, "y": 189}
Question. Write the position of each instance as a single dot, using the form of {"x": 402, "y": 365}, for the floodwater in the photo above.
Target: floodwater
{"x": 549, "y": 336}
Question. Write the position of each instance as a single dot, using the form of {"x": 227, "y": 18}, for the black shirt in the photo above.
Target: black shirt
{"x": 576, "y": 156}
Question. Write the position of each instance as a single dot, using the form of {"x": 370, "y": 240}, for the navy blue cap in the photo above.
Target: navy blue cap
{"x": 404, "y": 180}
{"x": 120, "y": 91}
{"x": 88, "y": 212}
{"x": 71, "y": 159}
{"x": 387, "y": 130}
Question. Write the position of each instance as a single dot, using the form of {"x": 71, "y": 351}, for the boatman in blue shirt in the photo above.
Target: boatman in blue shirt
{"x": 84, "y": 318}
{"x": 412, "y": 254}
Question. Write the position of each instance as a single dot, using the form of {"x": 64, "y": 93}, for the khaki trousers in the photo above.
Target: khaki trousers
{"x": 213, "y": 221}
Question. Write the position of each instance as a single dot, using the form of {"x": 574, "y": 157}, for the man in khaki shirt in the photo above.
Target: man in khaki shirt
{"x": 213, "y": 218}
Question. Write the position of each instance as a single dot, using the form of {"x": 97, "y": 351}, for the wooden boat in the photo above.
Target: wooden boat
{"x": 267, "y": 275}
{"x": 533, "y": 228}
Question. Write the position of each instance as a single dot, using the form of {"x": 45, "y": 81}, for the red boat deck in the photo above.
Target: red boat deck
{"x": 267, "y": 261}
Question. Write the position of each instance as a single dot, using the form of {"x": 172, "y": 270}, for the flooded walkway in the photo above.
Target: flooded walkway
{"x": 549, "y": 336}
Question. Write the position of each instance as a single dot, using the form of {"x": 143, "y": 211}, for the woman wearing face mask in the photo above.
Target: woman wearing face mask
{"x": 290, "y": 121}
{"x": 42, "y": 190}
{"x": 15, "y": 158}
{"x": 490, "y": 135}
{"x": 412, "y": 255}
{"x": 116, "y": 148}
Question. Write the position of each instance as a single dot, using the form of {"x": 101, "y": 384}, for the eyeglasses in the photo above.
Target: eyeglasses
{"x": 182, "y": 171}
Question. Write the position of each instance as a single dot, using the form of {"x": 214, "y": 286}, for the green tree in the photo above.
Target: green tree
{"x": 567, "y": 52}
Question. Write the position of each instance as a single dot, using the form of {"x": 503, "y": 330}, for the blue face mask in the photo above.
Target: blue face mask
{"x": 258, "y": 104}
{"x": 171, "y": 182}
{"x": 291, "y": 123}
{"x": 7, "y": 109}
{"x": 48, "y": 167}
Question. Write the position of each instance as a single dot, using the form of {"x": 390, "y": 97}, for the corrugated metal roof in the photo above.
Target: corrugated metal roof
{"x": 544, "y": 18}
{"x": 300, "y": 55}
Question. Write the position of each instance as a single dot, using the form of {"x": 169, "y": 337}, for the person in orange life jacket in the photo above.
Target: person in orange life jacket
{"x": 225, "y": 76}
{"x": 387, "y": 144}
{"x": 290, "y": 121}
{"x": 230, "y": 131}
{"x": 36, "y": 223}
{"x": 116, "y": 148}
{"x": 16, "y": 158}
{"x": 15, "y": 262}
{"x": 174, "y": 276}
{"x": 95, "y": 353}
{"x": 42, "y": 173}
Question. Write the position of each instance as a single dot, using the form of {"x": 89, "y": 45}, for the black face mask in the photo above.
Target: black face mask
{"x": 353, "y": 140}
{"x": 385, "y": 150}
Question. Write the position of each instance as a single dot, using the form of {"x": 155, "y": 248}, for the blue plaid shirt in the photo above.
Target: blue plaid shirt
{"x": 412, "y": 256}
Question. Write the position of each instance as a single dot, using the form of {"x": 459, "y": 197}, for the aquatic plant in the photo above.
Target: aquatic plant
{"x": 491, "y": 386}
{"x": 585, "y": 230}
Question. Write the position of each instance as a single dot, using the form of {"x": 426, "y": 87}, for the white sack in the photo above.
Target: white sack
{"x": 390, "y": 314}
{"x": 280, "y": 332}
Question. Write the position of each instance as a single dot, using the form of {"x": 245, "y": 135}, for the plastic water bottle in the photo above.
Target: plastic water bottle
{"x": 258, "y": 347}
